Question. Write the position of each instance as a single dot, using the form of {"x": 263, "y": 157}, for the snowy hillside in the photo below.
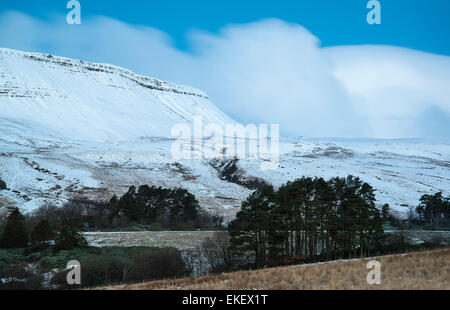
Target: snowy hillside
{"x": 94, "y": 102}
{"x": 70, "y": 128}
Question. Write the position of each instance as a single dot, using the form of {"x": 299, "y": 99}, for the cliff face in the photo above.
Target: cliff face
{"x": 94, "y": 101}
{"x": 77, "y": 66}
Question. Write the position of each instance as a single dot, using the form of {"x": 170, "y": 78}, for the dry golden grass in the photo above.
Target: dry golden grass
{"x": 417, "y": 271}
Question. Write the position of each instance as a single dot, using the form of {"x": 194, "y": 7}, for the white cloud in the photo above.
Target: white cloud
{"x": 395, "y": 89}
{"x": 268, "y": 71}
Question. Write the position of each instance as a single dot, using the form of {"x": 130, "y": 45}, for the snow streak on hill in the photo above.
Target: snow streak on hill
{"x": 69, "y": 128}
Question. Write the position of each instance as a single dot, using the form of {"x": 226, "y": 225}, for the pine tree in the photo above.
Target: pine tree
{"x": 14, "y": 234}
{"x": 113, "y": 206}
{"x": 307, "y": 219}
{"x": 433, "y": 207}
{"x": 385, "y": 211}
{"x": 447, "y": 207}
{"x": 2, "y": 185}
{"x": 151, "y": 204}
{"x": 250, "y": 230}
{"x": 69, "y": 239}
{"x": 127, "y": 205}
{"x": 42, "y": 232}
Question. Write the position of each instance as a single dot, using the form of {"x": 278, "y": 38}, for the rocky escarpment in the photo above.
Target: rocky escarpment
{"x": 12, "y": 89}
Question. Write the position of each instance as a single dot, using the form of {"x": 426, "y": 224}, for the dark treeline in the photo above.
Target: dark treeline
{"x": 143, "y": 208}
{"x": 434, "y": 209}
{"x": 162, "y": 208}
{"x": 106, "y": 266}
{"x": 17, "y": 234}
{"x": 154, "y": 208}
{"x": 305, "y": 220}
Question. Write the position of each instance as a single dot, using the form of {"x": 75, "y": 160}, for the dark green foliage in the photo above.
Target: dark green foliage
{"x": 77, "y": 214}
{"x": 385, "y": 211}
{"x": 42, "y": 232}
{"x": 145, "y": 208}
{"x": 14, "y": 234}
{"x": 99, "y": 266}
{"x": 69, "y": 239}
{"x": 307, "y": 219}
{"x": 249, "y": 231}
{"x": 125, "y": 265}
{"x": 17, "y": 278}
{"x": 2, "y": 185}
{"x": 433, "y": 209}
{"x": 170, "y": 208}
{"x": 127, "y": 205}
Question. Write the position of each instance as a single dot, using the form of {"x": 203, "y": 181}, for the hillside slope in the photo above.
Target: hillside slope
{"x": 414, "y": 271}
{"x": 94, "y": 102}
{"x": 69, "y": 129}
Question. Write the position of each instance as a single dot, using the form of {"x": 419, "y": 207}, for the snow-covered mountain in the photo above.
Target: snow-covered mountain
{"x": 69, "y": 128}
{"x": 94, "y": 102}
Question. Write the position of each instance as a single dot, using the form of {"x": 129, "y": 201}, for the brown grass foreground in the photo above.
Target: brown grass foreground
{"x": 416, "y": 271}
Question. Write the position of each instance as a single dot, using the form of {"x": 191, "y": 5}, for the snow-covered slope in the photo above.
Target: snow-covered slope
{"x": 70, "y": 128}
{"x": 94, "y": 102}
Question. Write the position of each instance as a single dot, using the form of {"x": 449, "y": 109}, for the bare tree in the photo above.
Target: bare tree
{"x": 216, "y": 250}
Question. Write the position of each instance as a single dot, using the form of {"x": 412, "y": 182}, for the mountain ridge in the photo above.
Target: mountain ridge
{"x": 104, "y": 67}
{"x": 95, "y": 101}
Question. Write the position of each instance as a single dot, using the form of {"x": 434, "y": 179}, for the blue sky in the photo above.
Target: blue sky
{"x": 416, "y": 24}
{"x": 315, "y": 67}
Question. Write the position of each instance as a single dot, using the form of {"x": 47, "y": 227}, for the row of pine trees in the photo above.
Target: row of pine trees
{"x": 307, "y": 219}
{"x": 433, "y": 209}
{"x": 304, "y": 220}
{"x": 15, "y": 235}
{"x": 150, "y": 203}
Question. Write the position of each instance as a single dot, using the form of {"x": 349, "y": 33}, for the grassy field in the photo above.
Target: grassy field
{"x": 179, "y": 239}
{"x": 417, "y": 271}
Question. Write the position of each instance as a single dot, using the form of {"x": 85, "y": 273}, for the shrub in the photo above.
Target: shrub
{"x": 42, "y": 232}
{"x": 69, "y": 239}
{"x": 17, "y": 278}
{"x": 126, "y": 265}
{"x": 76, "y": 214}
{"x": 14, "y": 234}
